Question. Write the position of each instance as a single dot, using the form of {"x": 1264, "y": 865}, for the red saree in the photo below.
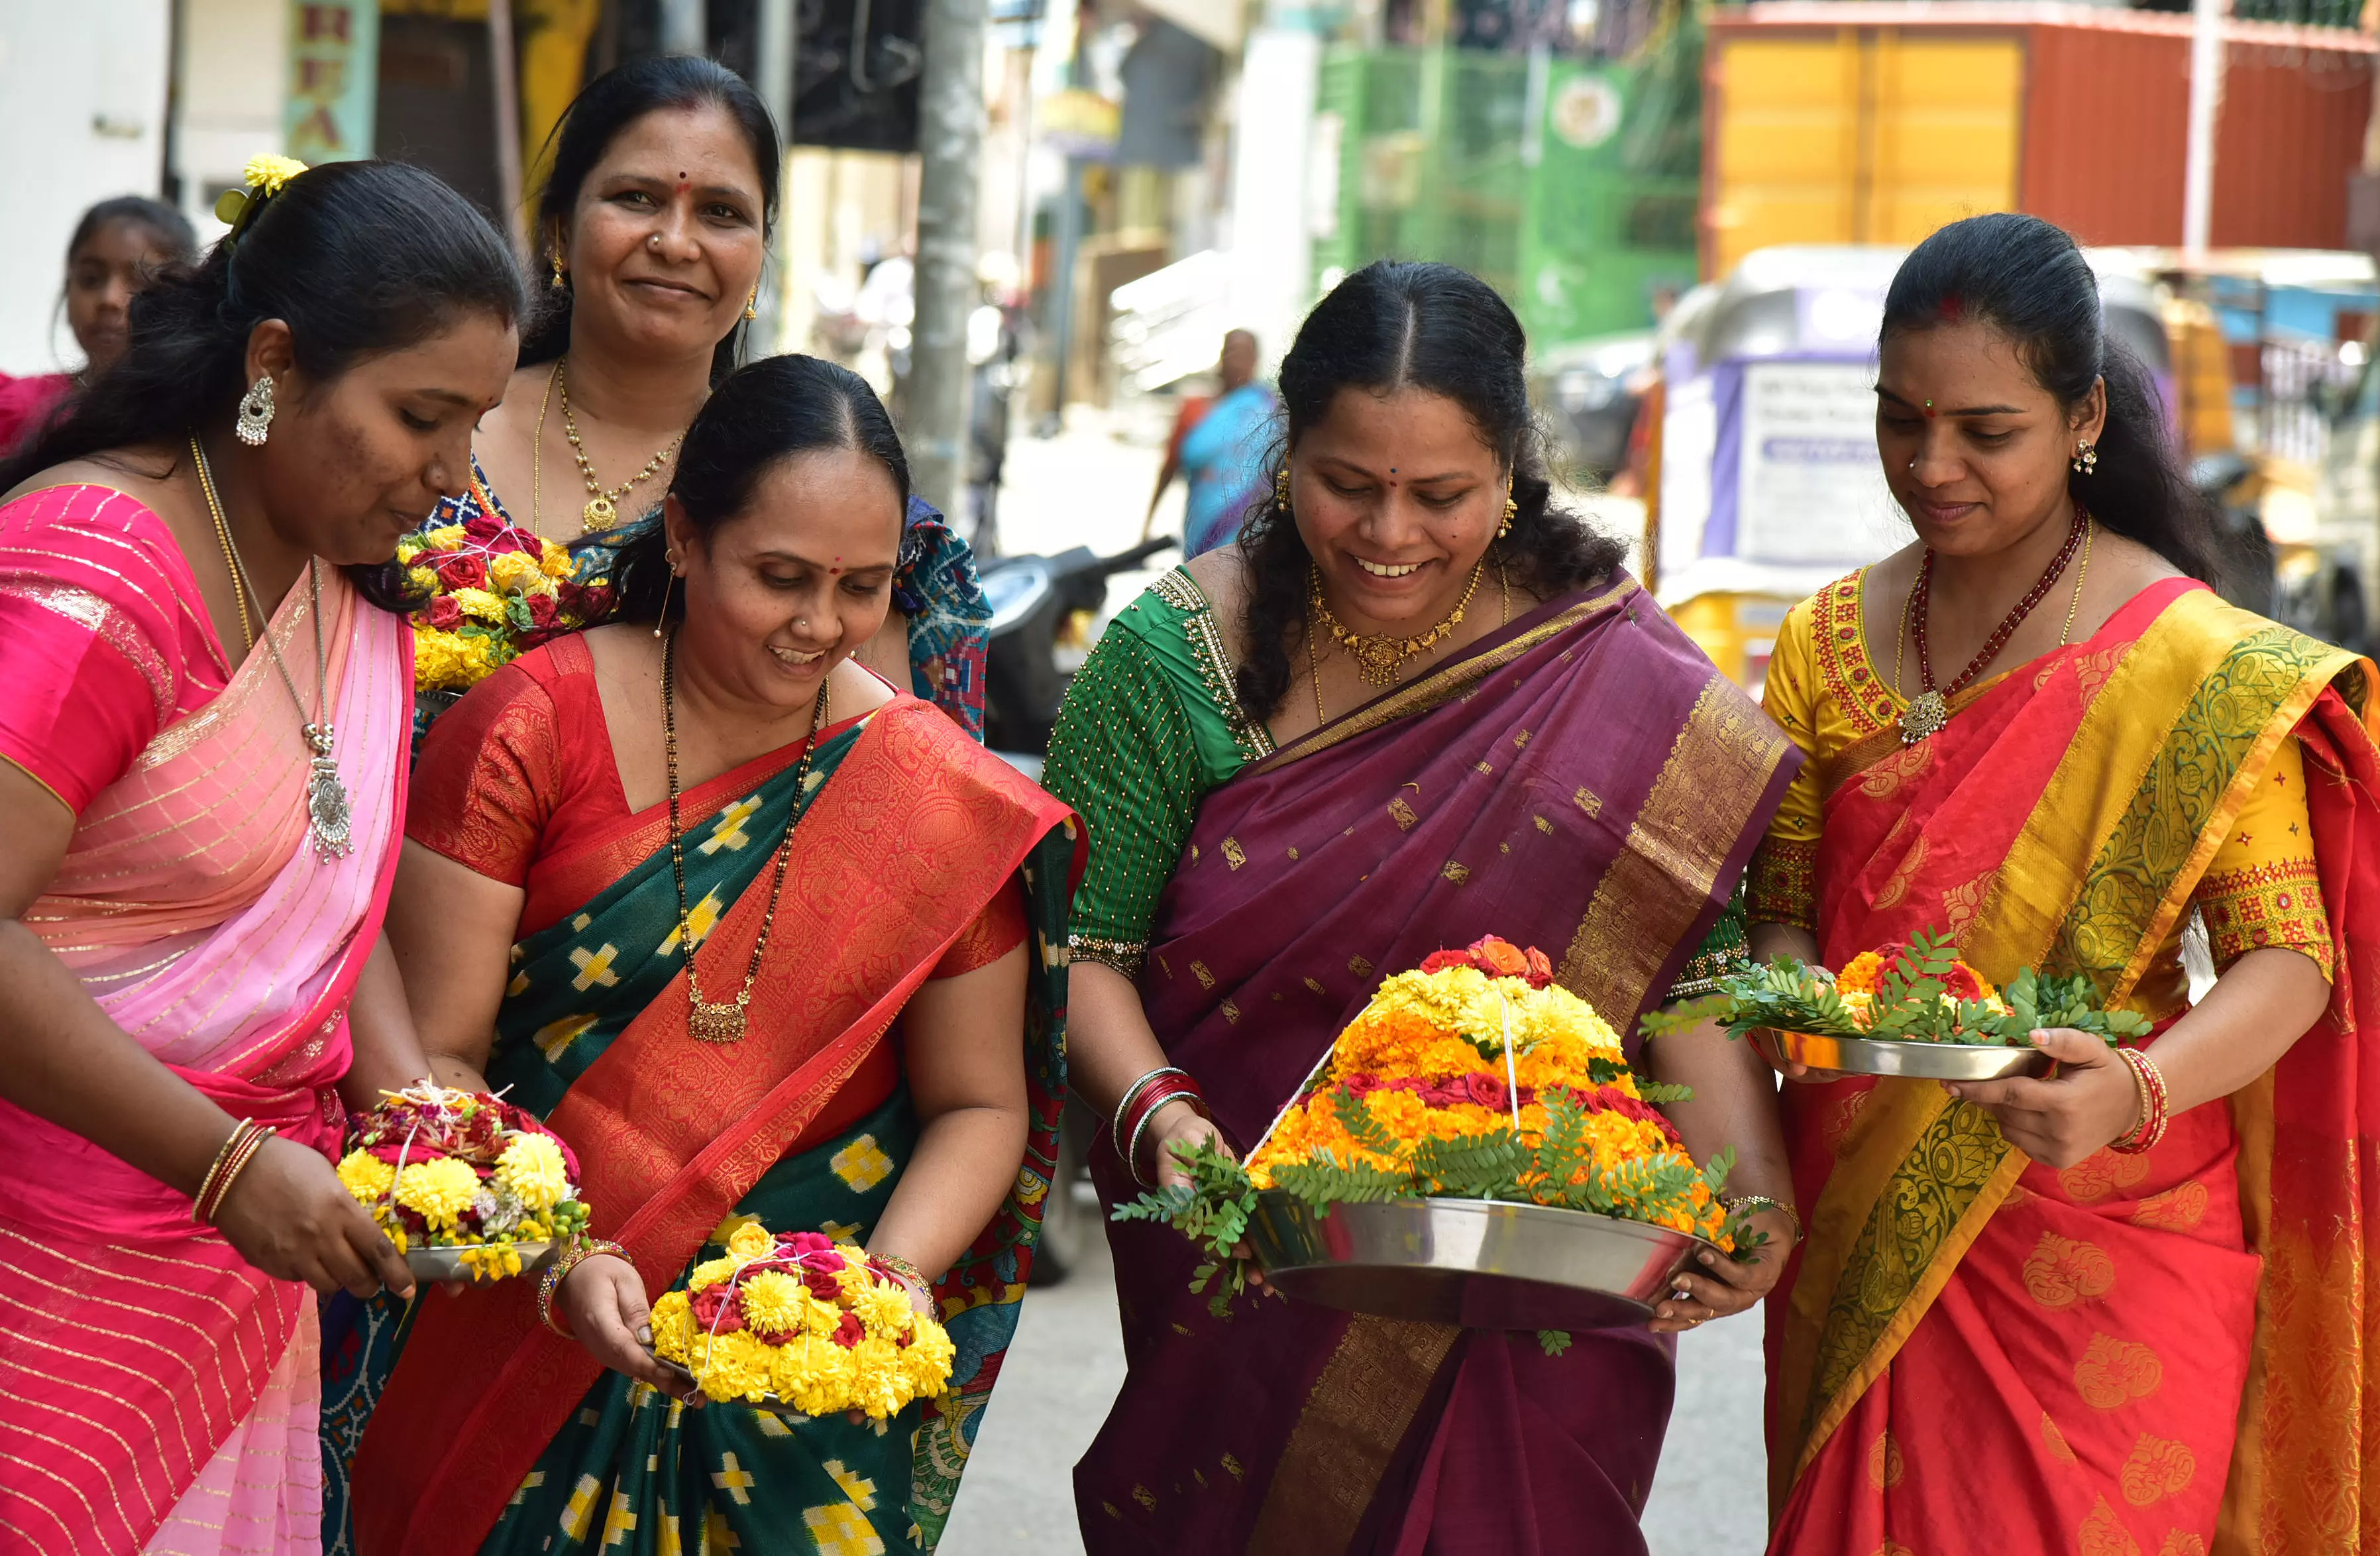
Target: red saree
{"x": 1975, "y": 1353}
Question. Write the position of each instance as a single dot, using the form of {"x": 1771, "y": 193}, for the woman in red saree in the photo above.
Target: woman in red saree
{"x": 192, "y": 942}
{"x": 2028, "y": 1318}
{"x": 1272, "y": 833}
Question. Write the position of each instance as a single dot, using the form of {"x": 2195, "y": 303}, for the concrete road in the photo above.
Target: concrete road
{"x": 1018, "y": 1497}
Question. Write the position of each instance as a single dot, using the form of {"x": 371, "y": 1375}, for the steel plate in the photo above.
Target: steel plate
{"x": 446, "y": 1264}
{"x": 1478, "y": 1263}
{"x": 1887, "y": 1056}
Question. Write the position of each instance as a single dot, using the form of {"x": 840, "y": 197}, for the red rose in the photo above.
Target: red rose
{"x": 484, "y": 526}
{"x": 1362, "y": 1085}
{"x": 717, "y": 1310}
{"x": 1498, "y": 958}
{"x": 444, "y": 614}
{"x": 1484, "y": 1089}
{"x": 1541, "y": 971}
{"x": 540, "y": 611}
{"x": 519, "y": 541}
{"x": 1439, "y": 961}
{"x": 463, "y": 571}
{"x": 849, "y": 1331}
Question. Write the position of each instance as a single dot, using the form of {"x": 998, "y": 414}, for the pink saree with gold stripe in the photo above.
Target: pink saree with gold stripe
{"x": 156, "y": 1392}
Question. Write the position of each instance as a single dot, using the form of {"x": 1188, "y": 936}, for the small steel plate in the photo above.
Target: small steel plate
{"x": 1887, "y": 1057}
{"x": 446, "y": 1264}
{"x": 1478, "y": 1263}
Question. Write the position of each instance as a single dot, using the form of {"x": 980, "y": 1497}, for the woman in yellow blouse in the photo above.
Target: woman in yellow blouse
{"x": 2102, "y": 1311}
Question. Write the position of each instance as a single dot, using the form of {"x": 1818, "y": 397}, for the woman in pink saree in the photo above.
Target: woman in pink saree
{"x": 201, "y": 795}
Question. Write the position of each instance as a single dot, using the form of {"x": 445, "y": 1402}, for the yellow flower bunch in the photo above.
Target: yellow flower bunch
{"x": 268, "y": 173}
{"x": 532, "y": 1167}
{"x": 754, "y": 1324}
{"x": 439, "y": 1190}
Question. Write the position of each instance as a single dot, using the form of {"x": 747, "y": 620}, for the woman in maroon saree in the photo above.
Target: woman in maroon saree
{"x": 1272, "y": 832}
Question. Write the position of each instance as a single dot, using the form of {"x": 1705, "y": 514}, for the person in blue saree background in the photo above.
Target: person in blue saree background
{"x": 1219, "y": 449}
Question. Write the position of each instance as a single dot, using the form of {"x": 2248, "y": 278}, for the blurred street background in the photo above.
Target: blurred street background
{"x": 1031, "y": 222}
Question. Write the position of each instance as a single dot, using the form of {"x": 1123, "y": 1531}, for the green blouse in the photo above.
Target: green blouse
{"x": 1150, "y": 727}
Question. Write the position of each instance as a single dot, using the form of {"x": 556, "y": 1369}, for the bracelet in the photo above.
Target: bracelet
{"x": 1116, "y": 1130}
{"x": 245, "y": 1139}
{"x": 559, "y": 1270}
{"x": 1747, "y": 1201}
{"x": 903, "y": 1270}
{"x": 2155, "y": 1107}
{"x": 1174, "y": 1089}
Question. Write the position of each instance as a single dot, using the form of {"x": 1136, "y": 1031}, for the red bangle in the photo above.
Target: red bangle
{"x": 1172, "y": 1089}
{"x": 2154, "y": 1115}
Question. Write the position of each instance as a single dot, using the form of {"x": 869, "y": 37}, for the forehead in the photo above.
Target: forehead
{"x": 831, "y": 505}
{"x": 1415, "y": 427}
{"x": 119, "y": 239}
{"x": 471, "y": 355}
{"x": 1962, "y": 364}
{"x": 702, "y": 142}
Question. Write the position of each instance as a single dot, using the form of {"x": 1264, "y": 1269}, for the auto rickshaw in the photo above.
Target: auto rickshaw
{"x": 1764, "y": 484}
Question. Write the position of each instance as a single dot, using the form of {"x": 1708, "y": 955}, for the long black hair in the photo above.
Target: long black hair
{"x": 610, "y": 103}
{"x": 356, "y": 258}
{"x": 776, "y": 408}
{"x": 1398, "y": 324}
{"x": 2027, "y": 279}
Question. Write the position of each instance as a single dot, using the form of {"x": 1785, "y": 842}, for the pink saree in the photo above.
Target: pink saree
{"x": 156, "y": 1392}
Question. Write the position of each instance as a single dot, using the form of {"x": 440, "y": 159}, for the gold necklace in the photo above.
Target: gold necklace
{"x": 1379, "y": 658}
{"x": 2081, "y": 571}
{"x": 706, "y": 1021}
{"x": 231, "y": 559}
{"x": 602, "y": 506}
{"x": 537, "y": 455}
{"x": 327, "y": 813}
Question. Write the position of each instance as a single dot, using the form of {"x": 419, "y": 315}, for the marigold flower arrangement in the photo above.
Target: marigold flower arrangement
{"x": 1916, "y": 990}
{"x": 799, "y": 1320}
{"x": 1472, "y": 1076}
{"x": 497, "y": 591}
{"x": 440, "y": 1168}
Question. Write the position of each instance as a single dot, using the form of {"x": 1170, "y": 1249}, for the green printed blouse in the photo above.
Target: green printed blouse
{"x": 1150, "y": 726}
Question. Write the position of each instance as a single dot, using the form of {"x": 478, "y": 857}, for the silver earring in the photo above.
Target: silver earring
{"x": 2086, "y": 459}
{"x": 255, "y": 421}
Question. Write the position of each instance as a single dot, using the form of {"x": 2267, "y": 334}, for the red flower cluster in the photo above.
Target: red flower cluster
{"x": 1497, "y": 958}
{"x": 402, "y": 1130}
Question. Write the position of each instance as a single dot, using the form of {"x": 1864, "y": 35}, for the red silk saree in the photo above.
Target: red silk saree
{"x": 2161, "y": 1354}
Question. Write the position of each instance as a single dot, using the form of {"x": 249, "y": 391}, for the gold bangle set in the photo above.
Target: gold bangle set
{"x": 245, "y": 1139}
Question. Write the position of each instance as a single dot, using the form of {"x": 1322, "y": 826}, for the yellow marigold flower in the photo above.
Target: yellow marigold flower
{"x": 749, "y": 1241}
{"x": 773, "y": 1300}
{"x": 514, "y": 571}
{"x": 813, "y": 1374}
{"x": 731, "y": 1366}
{"x": 876, "y": 1384}
{"x": 480, "y": 605}
{"x": 408, "y": 549}
{"x": 447, "y": 537}
{"x": 926, "y": 1360}
{"x": 673, "y": 1321}
{"x": 269, "y": 172}
{"x": 422, "y": 581}
{"x": 820, "y": 1319}
{"x": 555, "y": 563}
{"x": 532, "y": 1167}
{"x": 439, "y": 1191}
{"x": 884, "y": 1308}
{"x": 366, "y": 1176}
{"x": 709, "y": 1272}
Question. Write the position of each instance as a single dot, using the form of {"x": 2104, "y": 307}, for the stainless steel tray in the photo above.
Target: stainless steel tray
{"x": 1478, "y": 1263}
{"x": 446, "y": 1264}
{"x": 1889, "y": 1056}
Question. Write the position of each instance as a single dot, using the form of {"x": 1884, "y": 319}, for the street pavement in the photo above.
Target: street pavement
{"x": 1089, "y": 486}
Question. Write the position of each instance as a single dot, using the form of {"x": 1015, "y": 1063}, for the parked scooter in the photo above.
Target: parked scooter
{"x": 1042, "y": 611}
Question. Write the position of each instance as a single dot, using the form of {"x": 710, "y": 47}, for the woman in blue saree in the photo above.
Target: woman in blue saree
{"x": 891, "y": 1071}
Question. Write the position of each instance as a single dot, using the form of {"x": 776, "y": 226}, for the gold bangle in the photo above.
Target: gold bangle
{"x": 559, "y": 1270}
{"x": 247, "y": 1139}
{"x": 895, "y": 1265}
{"x": 1745, "y": 1202}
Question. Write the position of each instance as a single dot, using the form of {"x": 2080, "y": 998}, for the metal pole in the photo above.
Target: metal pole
{"x": 777, "y": 44}
{"x": 503, "y": 73}
{"x": 950, "y": 144}
{"x": 685, "y": 26}
{"x": 2206, "y": 102}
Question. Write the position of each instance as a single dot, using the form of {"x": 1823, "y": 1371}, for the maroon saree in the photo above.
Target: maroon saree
{"x": 1583, "y": 781}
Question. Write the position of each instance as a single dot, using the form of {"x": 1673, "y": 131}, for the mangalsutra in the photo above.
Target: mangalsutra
{"x": 328, "y": 816}
{"x": 1378, "y": 659}
{"x": 723, "y": 1022}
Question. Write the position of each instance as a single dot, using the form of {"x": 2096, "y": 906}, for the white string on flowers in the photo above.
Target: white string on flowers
{"x": 1512, "y": 1070}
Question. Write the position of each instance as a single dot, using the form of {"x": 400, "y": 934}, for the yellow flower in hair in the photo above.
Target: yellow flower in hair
{"x": 440, "y": 1191}
{"x": 366, "y": 1176}
{"x": 268, "y": 173}
{"x": 532, "y": 1167}
{"x": 748, "y": 1242}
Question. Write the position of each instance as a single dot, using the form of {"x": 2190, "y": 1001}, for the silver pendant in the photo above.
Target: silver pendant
{"x": 1926, "y": 713}
{"x": 327, "y": 814}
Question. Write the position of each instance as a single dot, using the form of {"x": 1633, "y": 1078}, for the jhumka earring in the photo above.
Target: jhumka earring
{"x": 1280, "y": 488}
{"x": 1511, "y": 511}
{"x": 556, "y": 283}
{"x": 752, "y": 304}
{"x": 255, "y": 413}
{"x": 2086, "y": 459}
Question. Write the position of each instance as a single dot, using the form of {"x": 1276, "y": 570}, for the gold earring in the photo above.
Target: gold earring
{"x": 2086, "y": 459}
{"x": 557, "y": 270}
{"x": 1280, "y": 488}
{"x": 1511, "y": 511}
{"x": 752, "y": 304}
{"x": 669, "y": 583}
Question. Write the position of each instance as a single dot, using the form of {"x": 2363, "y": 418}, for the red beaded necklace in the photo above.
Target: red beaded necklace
{"x": 1930, "y": 710}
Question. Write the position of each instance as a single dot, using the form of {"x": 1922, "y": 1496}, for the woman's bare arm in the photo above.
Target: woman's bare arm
{"x": 962, "y": 1047}
{"x": 451, "y": 932}
{"x": 1734, "y": 1104}
{"x": 1109, "y": 1044}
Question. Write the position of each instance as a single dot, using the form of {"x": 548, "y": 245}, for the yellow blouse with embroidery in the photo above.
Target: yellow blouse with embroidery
{"x": 2260, "y": 889}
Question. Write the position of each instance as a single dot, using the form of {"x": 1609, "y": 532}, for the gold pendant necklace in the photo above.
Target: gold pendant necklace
{"x": 602, "y": 509}
{"x": 1378, "y": 659}
{"x": 706, "y": 1021}
{"x": 328, "y": 816}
